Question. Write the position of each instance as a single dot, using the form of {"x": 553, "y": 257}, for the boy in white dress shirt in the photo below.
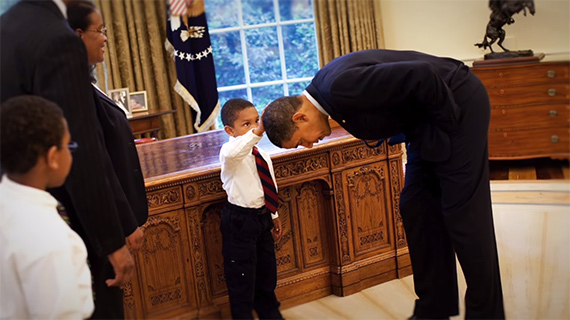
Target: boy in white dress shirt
{"x": 247, "y": 223}
{"x": 44, "y": 272}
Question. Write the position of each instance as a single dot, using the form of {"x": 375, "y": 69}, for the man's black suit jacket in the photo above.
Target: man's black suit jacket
{"x": 377, "y": 94}
{"x": 42, "y": 56}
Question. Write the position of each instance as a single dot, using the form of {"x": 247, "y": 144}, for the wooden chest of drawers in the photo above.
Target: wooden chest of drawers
{"x": 530, "y": 110}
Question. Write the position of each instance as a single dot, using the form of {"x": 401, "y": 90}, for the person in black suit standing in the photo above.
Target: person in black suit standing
{"x": 130, "y": 199}
{"x": 441, "y": 110}
{"x": 42, "y": 56}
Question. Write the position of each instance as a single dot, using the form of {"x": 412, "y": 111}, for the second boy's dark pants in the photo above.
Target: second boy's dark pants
{"x": 249, "y": 262}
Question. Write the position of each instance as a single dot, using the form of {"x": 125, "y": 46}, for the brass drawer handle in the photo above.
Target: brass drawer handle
{"x": 552, "y": 92}
{"x": 554, "y": 139}
{"x": 551, "y": 73}
{"x": 553, "y": 113}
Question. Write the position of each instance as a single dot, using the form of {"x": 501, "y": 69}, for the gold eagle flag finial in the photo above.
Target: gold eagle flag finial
{"x": 194, "y": 8}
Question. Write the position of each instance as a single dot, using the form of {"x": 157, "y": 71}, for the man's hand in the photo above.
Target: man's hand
{"x": 277, "y": 228}
{"x": 135, "y": 240}
{"x": 123, "y": 265}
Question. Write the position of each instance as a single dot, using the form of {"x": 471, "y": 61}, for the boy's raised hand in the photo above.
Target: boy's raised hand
{"x": 260, "y": 129}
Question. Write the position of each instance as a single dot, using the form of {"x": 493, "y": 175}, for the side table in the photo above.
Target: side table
{"x": 147, "y": 122}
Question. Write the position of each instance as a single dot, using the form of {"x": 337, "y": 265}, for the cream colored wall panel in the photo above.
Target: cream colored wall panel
{"x": 451, "y": 28}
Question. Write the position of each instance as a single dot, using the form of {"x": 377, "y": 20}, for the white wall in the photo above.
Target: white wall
{"x": 452, "y": 27}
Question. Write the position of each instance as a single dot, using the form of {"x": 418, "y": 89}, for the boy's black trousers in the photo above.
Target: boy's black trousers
{"x": 249, "y": 262}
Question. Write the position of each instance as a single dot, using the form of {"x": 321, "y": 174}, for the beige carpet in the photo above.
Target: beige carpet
{"x": 532, "y": 223}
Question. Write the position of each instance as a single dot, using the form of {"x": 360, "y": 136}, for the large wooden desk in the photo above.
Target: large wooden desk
{"x": 342, "y": 231}
{"x": 147, "y": 122}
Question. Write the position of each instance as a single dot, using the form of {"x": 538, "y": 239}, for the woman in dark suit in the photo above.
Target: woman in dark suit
{"x": 131, "y": 201}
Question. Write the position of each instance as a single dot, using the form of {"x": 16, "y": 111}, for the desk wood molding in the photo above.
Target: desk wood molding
{"x": 342, "y": 231}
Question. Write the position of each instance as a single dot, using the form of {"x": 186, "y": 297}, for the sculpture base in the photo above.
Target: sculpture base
{"x": 509, "y": 54}
{"x": 508, "y": 58}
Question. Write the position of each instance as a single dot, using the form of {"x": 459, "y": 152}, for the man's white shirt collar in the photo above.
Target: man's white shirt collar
{"x": 315, "y": 103}
{"x": 61, "y": 7}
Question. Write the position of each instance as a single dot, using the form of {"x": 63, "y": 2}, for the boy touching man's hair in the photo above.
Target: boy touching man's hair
{"x": 44, "y": 272}
{"x": 249, "y": 219}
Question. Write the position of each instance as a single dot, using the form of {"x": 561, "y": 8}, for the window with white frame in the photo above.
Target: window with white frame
{"x": 262, "y": 49}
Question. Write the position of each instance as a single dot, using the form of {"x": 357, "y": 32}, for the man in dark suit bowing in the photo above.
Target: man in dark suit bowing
{"x": 42, "y": 56}
{"x": 441, "y": 110}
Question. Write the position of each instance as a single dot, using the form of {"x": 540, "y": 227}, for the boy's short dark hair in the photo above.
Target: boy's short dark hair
{"x": 231, "y": 109}
{"x": 29, "y": 126}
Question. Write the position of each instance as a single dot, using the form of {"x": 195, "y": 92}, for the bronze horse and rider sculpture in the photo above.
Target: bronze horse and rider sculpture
{"x": 501, "y": 14}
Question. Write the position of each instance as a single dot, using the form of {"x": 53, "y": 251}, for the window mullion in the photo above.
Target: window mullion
{"x": 281, "y": 47}
{"x": 244, "y": 51}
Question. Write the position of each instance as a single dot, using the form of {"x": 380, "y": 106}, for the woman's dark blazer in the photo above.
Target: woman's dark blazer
{"x": 119, "y": 142}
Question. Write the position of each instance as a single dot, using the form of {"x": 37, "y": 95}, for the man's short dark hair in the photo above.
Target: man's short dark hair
{"x": 29, "y": 126}
{"x": 278, "y": 119}
{"x": 232, "y": 108}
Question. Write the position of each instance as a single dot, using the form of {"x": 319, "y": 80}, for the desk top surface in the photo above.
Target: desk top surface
{"x": 199, "y": 153}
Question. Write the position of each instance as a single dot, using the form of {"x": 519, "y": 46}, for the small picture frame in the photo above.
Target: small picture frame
{"x": 121, "y": 98}
{"x": 138, "y": 101}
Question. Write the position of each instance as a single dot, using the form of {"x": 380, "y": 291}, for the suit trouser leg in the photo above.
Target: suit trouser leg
{"x": 465, "y": 206}
{"x": 431, "y": 250}
{"x": 469, "y": 221}
{"x": 265, "y": 301}
{"x": 467, "y": 211}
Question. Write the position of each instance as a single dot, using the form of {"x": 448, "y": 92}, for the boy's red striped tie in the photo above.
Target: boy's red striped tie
{"x": 269, "y": 190}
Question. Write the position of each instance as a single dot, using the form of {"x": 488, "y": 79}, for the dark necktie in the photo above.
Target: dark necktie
{"x": 269, "y": 190}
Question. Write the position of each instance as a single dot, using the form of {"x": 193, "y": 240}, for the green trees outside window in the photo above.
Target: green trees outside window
{"x": 263, "y": 49}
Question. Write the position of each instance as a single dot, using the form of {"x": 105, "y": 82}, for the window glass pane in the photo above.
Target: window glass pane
{"x": 228, "y": 58}
{"x": 264, "y": 95}
{"x": 6, "y": 4}
{"x": 300, "y": 50}
{"x": 257, "y": 11}
{"x": 263, "y": 54}
{"x": 295, "y": 9}
{"x": 222, "y": 13}
{"x": 297, "y": 88}
{"x": 224, "y": 96}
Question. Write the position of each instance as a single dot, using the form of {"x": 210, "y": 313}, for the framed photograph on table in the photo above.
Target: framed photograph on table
{"x": 121, "y": 98}
{"x": 138, "y": 101}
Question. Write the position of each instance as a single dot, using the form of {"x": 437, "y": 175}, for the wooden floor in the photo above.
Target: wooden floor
{"x": 532, "y": 169}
